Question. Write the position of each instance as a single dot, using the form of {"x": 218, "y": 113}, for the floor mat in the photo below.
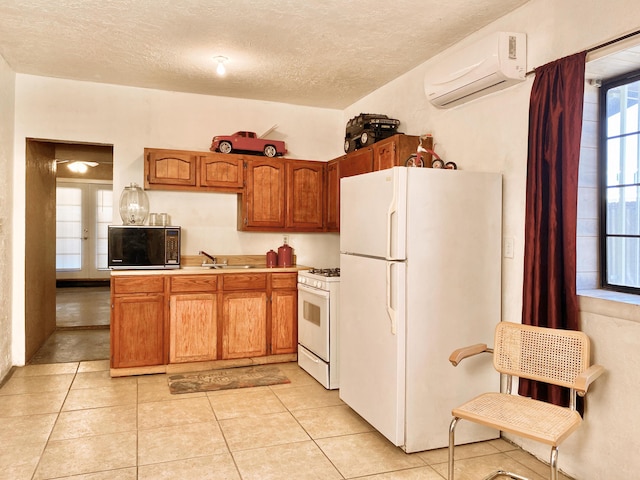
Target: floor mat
{"x": 226, "y": 379}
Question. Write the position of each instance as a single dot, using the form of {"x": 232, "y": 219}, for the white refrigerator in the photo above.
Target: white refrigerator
{"x": 420, "y": 273}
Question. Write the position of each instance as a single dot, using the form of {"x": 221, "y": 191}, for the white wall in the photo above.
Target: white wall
{"x": 7, "y": 112}
{"x": 131, "y": 119}
{"x": 491, "y": 134}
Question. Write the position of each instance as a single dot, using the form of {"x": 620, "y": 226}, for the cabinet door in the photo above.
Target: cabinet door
{"x": 394, "y": 151}
{"x": 170, "y": 167}
{"x": 356, "y": 163}
{"x": 384, "y": 154}
{"x": 137, "y": 331}
{"x": 225, "y": 172}
{"x": 284, "y": 313}
{"x": 304, "y": 194}
{"x": 244, "y": 325}
{"x": 192, "y": 327}
{"x": 264, "y": 197}
{"x": 332, "y": 191}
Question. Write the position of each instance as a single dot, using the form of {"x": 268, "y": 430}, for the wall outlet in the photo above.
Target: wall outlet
{"x": 285, "y": 239}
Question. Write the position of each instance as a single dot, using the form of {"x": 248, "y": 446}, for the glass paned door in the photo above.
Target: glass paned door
{"x": 83, "y": 212}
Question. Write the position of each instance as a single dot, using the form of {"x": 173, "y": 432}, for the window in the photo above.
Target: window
{"x": 620, "y": 183}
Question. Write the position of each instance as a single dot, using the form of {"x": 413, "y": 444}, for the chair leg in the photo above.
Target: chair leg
{"x": 553, "y": 462}
{"x": 504, "y": 473}
{"x": 452, "y": 433}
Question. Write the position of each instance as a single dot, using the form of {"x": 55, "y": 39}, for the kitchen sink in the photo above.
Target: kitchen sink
{"x": 217, "y": 267}
{"x": 233, "y": 266}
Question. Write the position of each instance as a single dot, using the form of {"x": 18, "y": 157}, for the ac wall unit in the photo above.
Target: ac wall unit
{"x": 492, "y": 63}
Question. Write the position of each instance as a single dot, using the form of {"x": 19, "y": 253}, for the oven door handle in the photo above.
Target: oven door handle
{"x": 313, "y": 291}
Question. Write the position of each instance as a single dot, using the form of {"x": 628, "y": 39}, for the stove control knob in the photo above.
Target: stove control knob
{"x": 302, "y": 280}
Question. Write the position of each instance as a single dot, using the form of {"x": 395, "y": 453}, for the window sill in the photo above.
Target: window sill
{"x": 612, "y": 304}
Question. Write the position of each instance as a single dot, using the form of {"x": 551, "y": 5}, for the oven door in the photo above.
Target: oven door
{"x": 313, "y": 320}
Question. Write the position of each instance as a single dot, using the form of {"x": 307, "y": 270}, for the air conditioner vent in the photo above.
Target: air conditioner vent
{"x": 492, "y": 63}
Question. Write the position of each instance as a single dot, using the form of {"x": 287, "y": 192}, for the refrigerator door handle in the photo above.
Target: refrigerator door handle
{"x": 390, "y": 310}
{"x": 393, "y": 210}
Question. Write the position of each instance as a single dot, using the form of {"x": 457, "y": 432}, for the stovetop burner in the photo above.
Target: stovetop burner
{"x": 326, "y": 272}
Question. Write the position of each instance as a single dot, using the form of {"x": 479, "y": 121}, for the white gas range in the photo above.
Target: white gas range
{"x": 318, "y": 295}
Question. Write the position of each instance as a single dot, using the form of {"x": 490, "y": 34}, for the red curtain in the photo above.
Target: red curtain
{"x": 555, "y": 127}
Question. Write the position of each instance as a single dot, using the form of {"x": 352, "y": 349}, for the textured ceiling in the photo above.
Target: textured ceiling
{"x": 324, "y": 53}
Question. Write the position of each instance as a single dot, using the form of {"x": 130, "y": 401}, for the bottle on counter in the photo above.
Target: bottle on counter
{"x": 285, "y": 255}
{"x": 272, "y": 258}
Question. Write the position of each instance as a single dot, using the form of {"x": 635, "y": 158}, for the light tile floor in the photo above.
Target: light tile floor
{"x": 72, "y": 421}
{"x": 82, "y": 326}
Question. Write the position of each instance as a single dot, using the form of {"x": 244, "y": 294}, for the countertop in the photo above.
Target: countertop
{"x": 192, "y": 265}
{"x": 198, "y": 270}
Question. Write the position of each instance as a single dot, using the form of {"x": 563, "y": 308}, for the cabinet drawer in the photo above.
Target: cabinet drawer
{"x": 244, "y": 281}
{"x": 284, "y": 281}
{"x": 138, "y": 284}
{"x": 194, "y": 283}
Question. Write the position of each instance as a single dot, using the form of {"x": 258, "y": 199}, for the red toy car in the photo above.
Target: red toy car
{"x": 247, "y": 142}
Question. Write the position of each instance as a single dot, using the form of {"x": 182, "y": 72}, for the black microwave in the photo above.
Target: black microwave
{"x": 143, "y": 247}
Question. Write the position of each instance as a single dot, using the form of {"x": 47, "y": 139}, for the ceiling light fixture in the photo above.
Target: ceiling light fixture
{"x": 221, "y": 69}
{"x": 78, "y": 166}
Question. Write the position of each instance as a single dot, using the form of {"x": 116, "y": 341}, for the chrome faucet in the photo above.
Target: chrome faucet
{"x": 210, "y": 257}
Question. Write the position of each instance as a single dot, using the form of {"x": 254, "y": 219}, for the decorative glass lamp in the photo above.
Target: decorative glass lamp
{"x": 134, "y": 205}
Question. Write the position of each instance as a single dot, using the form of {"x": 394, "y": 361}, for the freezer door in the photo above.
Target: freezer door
{"x": 372, "y": 342}
{"x": 373, "y": 214}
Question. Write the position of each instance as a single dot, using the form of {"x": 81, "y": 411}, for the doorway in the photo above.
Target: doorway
{"x": 84, "y": 306}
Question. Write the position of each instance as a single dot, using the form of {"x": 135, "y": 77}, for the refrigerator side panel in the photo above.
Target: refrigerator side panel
{"x": 373, "y": 214}
{"x": 372, "y": 337}
{"x": 453, "y": 299}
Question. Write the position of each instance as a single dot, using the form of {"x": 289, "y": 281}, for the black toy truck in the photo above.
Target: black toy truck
{"x": 368, "y": 128}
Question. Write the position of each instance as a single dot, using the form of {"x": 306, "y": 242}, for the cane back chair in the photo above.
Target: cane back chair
{"x": 554, "y": 356}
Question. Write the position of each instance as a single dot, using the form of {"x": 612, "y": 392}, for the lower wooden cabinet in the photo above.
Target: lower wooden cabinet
{"x": 193, "y": 318}
{"x": 244, "y": 325}
{"x": 163, "y": 318}
{"x": 137, "y": 331}
{"x": 284, "y": 313}
{"x": 193, "y": 327}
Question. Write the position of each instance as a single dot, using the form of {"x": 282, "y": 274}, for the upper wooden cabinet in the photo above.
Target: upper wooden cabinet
{"x": 187, "y": 170}
{"x": 282, "y": 194}
{"x": 332, "y": 189}
{"x": 176, "y": 168}
{"x": 390, "y": 152}
{"x": 394, "y": 151}
{"x": 304, "y": 195}
{"x": 277, "y": 194}
{"x": 262, "y": 206}
{"x": 357, "y": 163}
{"x": 222, "y": 171}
